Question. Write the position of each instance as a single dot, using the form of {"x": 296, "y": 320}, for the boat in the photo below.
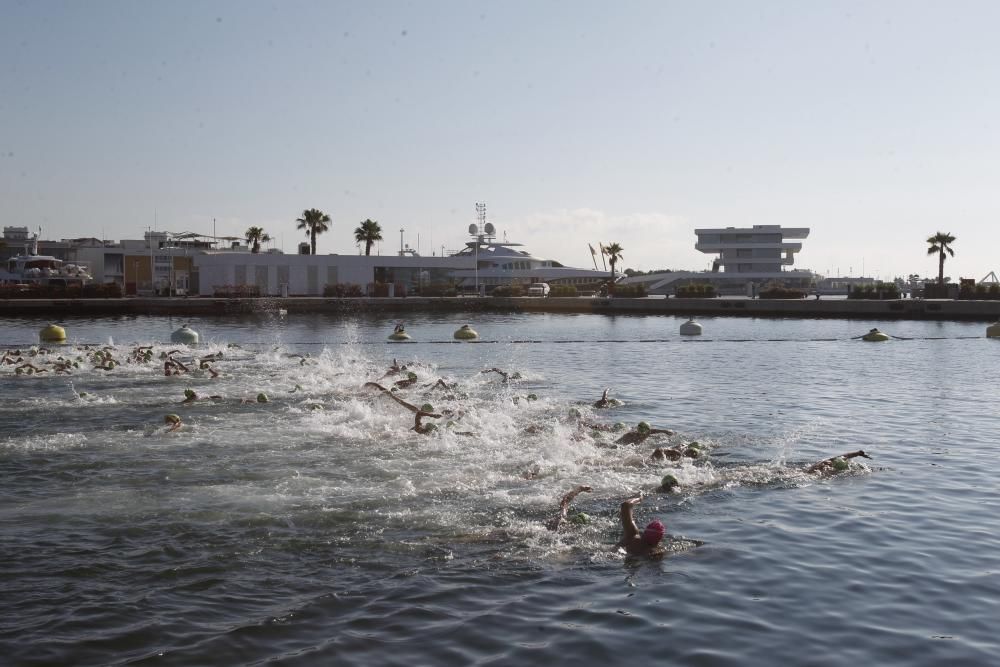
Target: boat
{"x": 506, "y": 263}
{"x": 30, "y": 268}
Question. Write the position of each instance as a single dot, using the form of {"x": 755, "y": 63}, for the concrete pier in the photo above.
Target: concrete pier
{"x": 901, "y": 309}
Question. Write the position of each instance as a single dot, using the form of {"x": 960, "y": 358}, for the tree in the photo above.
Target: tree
{"x": 940, "y": 243}
{"x": 368, "y": 233}
{"x": 255, "y": 236}
{"x": 614, "y": 253}
{"x": 314, "y": 222}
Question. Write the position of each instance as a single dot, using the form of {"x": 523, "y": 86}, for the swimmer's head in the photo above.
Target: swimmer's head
{"x": 574, "y": 413}
{"x": 840, "y": 464}
{"x": 427, "y": 407}
{"x": 262, "y": 398}
{"x": 643, "y": 427}
{"x": 668, "y": 483}
{"x": 189, "y": 393}
{"x": 171, "y": 419}
{"x": 411, "y": 375}
{"x": 653, "y": 533}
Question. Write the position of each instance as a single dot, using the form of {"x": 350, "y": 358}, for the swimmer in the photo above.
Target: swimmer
{"x": 423, "y": 429}
{"x": 411, "y": 378}
{"x": 835, "y": 464}
{"x": 204, "y": 365}
{"x": 174, "y": 421}
{"x": 668, "y": 484}
{"x": 640, "y": 433}
{"x": 605, "y": 402}
{"x": 507, "y": 377}
{"x": 646, "y": 543}
{"x": 692, "y": 451}
{"x": 393, "y": 370}
{"x": 557, "y": 521}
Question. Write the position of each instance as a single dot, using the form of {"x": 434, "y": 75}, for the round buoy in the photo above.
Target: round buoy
{"x": 52, "y": 334}
{"x": 993, "y": 331}
{"x": 185, "y": 335}
{"x": 466, "y": 333}
{"x": 691, "y": 328}
{"x": 875, "y": 336}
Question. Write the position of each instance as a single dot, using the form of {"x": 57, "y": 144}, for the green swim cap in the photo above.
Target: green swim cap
{"x": 430, "y": 427}
{"x": 669, "y": 482}
{"x": 575, "y": 413}
{"x": 840, "y": 464}
{"x": 694, "y": 445}
{"x": 532, "y": 397}
{"x": 83, "y": 394}
{"x": 427, "y": 407}
{"x": 262, "y": 398}
{"x": 171, "y": 419}
{"x": 643, "y": 427}
{"x": 411, "y": 375}
{"x": 189, "y": 393}
{"x": 619, "y": 426}
{"x": 579, "y": 519}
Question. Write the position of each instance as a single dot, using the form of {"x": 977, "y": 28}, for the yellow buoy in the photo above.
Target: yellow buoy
{"x": 52, "y": 334}
{"x": 875, "y": 336}
{"x": 993, "y": 331}
{"x": 399, "y": 334}
{"x": 466, "y": 333}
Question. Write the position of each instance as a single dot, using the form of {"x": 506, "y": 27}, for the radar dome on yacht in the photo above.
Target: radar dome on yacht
{"x": 185, "y": 335}
{"x": 691, "y": 328}
{"x": 473, "y": 229}
{"x": 489, "y": 229}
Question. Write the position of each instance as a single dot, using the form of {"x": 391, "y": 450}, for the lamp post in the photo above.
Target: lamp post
{"x": 401, "y": 230}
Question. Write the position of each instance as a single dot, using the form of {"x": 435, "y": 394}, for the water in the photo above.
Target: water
{"x": 281, "y": 533}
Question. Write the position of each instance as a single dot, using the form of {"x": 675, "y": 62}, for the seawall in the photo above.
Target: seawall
{"x": 913, "y": 309}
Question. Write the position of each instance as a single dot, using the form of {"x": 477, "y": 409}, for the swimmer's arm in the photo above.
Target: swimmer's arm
{"x": 568, "y": 498}
{"x": 630, "y": 531}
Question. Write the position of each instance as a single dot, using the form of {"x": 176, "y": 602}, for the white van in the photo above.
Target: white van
{"x": 538, "y": 289}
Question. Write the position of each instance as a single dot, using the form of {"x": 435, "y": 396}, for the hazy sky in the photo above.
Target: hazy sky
{"x": 875, "y": 124}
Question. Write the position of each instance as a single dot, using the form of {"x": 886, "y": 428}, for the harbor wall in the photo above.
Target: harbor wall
{"x": 913, "y": 309}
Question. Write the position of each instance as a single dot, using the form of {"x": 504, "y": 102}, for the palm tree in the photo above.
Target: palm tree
{"x": 940, "y": 243}
{"x": 255, "y": 236}
{"x": 314, "y": 222}
{"x": 368, "y": 233}
{"x": 614, "y": 253}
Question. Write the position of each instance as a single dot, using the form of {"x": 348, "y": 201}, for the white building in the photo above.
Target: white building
{"x": 748, "y": 258}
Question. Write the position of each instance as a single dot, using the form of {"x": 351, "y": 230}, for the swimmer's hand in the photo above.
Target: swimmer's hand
{"x": 634, "y": 501}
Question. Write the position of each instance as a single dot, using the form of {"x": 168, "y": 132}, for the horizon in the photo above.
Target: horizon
{"x": 874, "y": 126}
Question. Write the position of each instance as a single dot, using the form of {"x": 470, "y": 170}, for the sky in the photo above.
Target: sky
{"x": 875, "y": 124}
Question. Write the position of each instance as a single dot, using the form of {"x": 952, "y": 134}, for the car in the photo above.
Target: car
{"x": 538, "y": 289}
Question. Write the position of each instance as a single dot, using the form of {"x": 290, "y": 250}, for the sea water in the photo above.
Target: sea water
{"x": 318, "y": 528}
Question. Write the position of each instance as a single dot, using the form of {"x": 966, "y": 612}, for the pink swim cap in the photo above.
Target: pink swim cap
{"x": 654, "y": 532}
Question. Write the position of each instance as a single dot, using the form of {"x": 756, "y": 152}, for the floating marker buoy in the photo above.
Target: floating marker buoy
{"x": 875, "y": 336}
{"x": 184, "y": 335}
{"x": 691, "y": 328}
{"x": 993, "y": 331}
{"x": 399, "y": 334}
{"x": 466, "y": 333}
{"x": 52, "y": 334}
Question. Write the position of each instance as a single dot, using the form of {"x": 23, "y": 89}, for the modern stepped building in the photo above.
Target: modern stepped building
{"x": 750, "y": 250}
{"x": 748, "y": 259}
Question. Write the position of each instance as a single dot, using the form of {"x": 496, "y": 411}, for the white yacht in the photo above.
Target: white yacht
{"x": 34, "y": 269}
{"x": 505, "y": 263}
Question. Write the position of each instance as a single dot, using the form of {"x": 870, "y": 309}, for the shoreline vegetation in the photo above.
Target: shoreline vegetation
{"x": 898, "y": 309}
